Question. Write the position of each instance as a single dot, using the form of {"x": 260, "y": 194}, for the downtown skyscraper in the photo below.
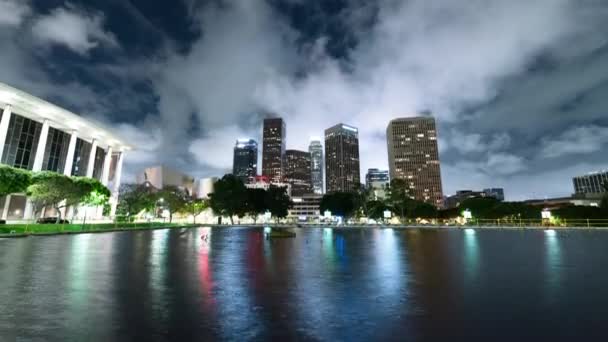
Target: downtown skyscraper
{"x": 297, "y": 172}
{"x": 316, "y": 166}
{"x": 273, "y": 153}
{"x": 342, "y": 171}
{"x": 245, "y": 162}
{"x": 413, "y": 156}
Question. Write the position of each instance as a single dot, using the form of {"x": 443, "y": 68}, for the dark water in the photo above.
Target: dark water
{"x": 355, "y": 285}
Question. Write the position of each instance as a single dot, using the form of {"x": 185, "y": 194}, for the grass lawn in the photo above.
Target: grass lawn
{"x": 35, "y": 228}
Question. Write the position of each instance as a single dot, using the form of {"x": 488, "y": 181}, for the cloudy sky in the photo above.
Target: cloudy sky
{"x": 519, "y": 87}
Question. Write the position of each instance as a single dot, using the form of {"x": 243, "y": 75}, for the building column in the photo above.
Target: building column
{"x": 6, "y": 119}
{"x": 7, "y": 205}
{"x": 105, "y": 174}
{"x": 69, "y": 158}
{"x": 38, "y": 159}
{"x": 92, "y": 156}
{"x": 116, "y": 184}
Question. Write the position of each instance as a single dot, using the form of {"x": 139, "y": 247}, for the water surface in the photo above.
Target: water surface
{"x": 326, "y": 284}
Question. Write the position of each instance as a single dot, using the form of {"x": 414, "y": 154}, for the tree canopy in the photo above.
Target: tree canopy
{"x": 277, "y": 201}
{"x": 59, "y": 191}
{"x": 173, "y": 199}
{"x": 195, "y": 206}
{"x": 229, "y": 197}
{"x": 14, "y": 180}
{"x": 339, "y": 203}
{"x": 256, "y": 202}
{"x": 133, "y": 198}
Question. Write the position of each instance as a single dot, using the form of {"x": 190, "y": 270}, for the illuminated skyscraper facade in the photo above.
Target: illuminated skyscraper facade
{"x": 273, "y": 152}
{"x": 297, "y": 172}
{"x": 414, "y": 157}
{"x": 316, "y": 166}
{"x": 342, "y": 171}
{"x": 245, "y": 162}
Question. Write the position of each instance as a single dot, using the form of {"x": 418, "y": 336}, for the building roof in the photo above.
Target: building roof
{"x": 38, "y": 109}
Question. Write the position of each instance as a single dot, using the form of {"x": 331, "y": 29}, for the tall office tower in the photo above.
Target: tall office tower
{"x": 413, "y": 156}
{"x": 342, "y": 159}
{"x": 245, "y": 162}
{"x": 377, "y": 181}
{"x": 273, "y": 152}
{"x": 297, "y": 172}
{"x": 316, "y": 167}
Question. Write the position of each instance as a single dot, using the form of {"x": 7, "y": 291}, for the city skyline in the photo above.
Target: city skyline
{"x": 149, "y": 73}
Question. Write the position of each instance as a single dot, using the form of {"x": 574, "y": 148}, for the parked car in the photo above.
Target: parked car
{"x": 51, "y": 220}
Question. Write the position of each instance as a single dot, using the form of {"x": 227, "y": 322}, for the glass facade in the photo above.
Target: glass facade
{"x": 81, "y": 158}
{"x": 56, "y": 150}
{"x": 100, "y": 156}
{"x": 21, "y": 142}
{"x": 342, "y": 170}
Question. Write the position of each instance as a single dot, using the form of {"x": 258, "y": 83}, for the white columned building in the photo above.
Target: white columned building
{"x": 39, "y": 136}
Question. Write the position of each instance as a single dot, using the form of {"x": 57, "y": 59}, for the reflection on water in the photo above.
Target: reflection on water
{"x": 471, "y": 255}
{"x": 326, "y": 284}
{"x": 553, "y": 263}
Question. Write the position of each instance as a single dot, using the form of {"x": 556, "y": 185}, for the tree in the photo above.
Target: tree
{"x": 173, "y": 198}
{"x": 13, "y": 180}
{"x": 88, "y": 191}
{"x": 51, "y": 189}
{"x": 376, "y": 209}
{"x": 339, "y": 203}
{"x": 195, "y": 206}
{"x": 277, "y": 201}
{"x": 482, "y": 207}
{"x": 256, "y": 202}
{"x": 422, "y": 210}
{"x": 229, "y": 197}
{"x": 133, "y": 198}
{"x": 399, "y": 198}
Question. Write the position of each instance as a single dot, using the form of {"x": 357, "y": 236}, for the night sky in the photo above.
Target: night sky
{"x": 519, "y": 88}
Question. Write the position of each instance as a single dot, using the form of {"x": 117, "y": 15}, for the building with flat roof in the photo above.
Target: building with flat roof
{"x": 264, "y": 183}
{"x": 413, "y": 156}
{"x": 297, "y": 172}
{"x": 245, "y": 161}
{"x": 273, "y": 149}
{"x": 377, "y": 181}
{"x": 204, "y": 186}
{"x": 316, "y": 165}
{"x": 591, "y": 185}
{"x": 305, "y": 208}
{"x": 342, "y": 170}
{"x": 39, "y": 136}
{"x": 162, "y": 176}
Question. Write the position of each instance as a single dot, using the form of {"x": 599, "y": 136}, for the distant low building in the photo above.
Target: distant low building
{"x": 462, "y": 195}
{"x": 498, "y": 193}
{"x": 263, "y": 182}
{"x": 591, "y": 185}
{"x": 559, "y": 202}
{"x": 204, "y": 186}
{"x": 306, "y": 208}
{"x": 162, "y": 176}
